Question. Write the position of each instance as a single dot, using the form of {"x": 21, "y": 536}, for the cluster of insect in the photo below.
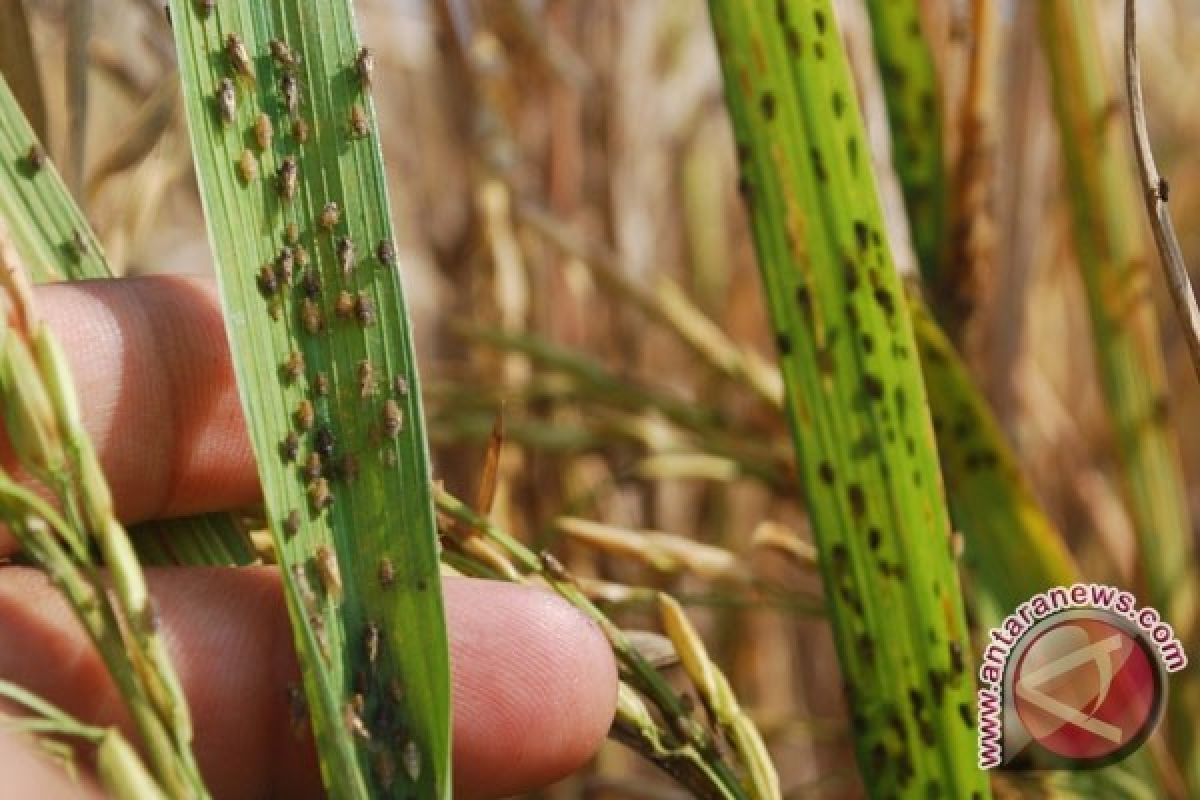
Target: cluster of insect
{"x": 292, "y": 279}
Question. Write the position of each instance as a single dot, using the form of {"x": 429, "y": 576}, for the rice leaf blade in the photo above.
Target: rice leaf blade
{"x": 855, "y": 398}
{"x": 356, "y": 537}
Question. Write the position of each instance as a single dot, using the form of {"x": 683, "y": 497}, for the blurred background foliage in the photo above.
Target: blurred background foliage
{"x": 571, "y": 231}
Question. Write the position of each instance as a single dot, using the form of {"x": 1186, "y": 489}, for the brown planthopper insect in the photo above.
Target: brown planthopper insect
{"x": 268, "y": 284}
{"x": 291, "y": 523}
{"x": 311, "y": 284}
{"x": 321, "y": 384}
{"x": 319, "y": 495}
{"x": 393, "y": 417}
{"x": 344, "y": 307}
{"x": 312, "y": 468}
{"x": 387, "y": 573}
{"x": 286, "y": 264}
{"x": 283, "y": 55}
{"x": 385, "y": 251}
{"x": 290, "y": 88}
{"x": 354, "y": 722}
{"x": 311, "y": 316}
{"x": 365, "y": 310}
{"x": 371, "y": 638}
{"x": 248, "y": 166}
{"x": 344, "y": 248}
{"x": 300, "y": 130}
{"x": 327, "y": 570}
{"x": 227, "y": 100}
{"x": 291, "y": 234}
{"x": 36, "y": 157}
{"x": 293, "y": 368}
{"x": 366, "y": 378}
{"x": 239, "y": 57}
{"x": 330, "y": 215}
{"x": 289, "y": 447}
{"x": 410, "y": 757}
{"x": 263, "y": 131}
{"x": 324, "y": 442}
{"x": 364, "y": 65}
{"x": 288, "y": 174}
{"x": 305, "y": 416}
{"x": 360, "y": 126}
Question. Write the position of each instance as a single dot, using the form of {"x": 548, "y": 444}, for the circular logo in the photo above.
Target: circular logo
{"x": 1087, "y": 687}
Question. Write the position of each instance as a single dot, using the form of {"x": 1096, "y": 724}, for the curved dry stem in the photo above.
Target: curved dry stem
{"x": 1154, "y": 194}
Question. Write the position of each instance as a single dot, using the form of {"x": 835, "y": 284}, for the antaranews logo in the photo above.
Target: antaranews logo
{"x": 1074, "y": 678}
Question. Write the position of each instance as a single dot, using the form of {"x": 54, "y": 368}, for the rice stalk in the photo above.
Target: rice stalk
{"x": 83, "y": 549}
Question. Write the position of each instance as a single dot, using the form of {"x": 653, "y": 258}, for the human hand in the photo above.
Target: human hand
{"x": 534, "y": 681}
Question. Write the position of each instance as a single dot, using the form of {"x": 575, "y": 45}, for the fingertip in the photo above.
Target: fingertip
{"x": 534, "y": 687}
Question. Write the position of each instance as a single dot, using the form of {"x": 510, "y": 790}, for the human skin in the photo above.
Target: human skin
{"x": 534, "y": 680}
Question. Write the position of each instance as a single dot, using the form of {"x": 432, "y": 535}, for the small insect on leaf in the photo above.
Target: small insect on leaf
{"x": 304, "y": 589}
{"x": 227, "y": 100}
{"x": 290, "y": 88}
{"x": 300, "y": 130}
{"x": 371, "y": 642}
{"x": 364, "y": 65}
{"x": 288, "y": 174}
{"x": 319, "y": 495}
{"x": 291, "y": 523}
{"x": 366, "y": 379}
{"x": 291, "y": 233}
{"x": 344, "y": 247}
{"x": 354, "y": 722}
{"x": 239, "y": 57}
{"x": 283, "y": 55}
{"x": 400, "y": 385}
{"x": 205, "y": 7}
{"x": 385, "y": 251}
{"x": 248, "y": 166}
{"x": 268, "y": 284}
{"x": 310, "y": 284}
{"x": 285, "y": 262}
{"x": 324, "y": 442}
{"x": 344, "y": 307}
{"x": 321, "y": 384}
{"x": 330, "y": 215}
{"x": 293, "y": 368}
{"x": 327, "y": 569}
{"x": 263, "y": 130}
{"x": 360, "y": 126}
{"x": 410, "y": 757}
{"x": 312, "y": 468}
{"x": 305, "y": 416}
{"x": 289, "y": 447}
{"x": 387, "y": 573}
{"x": 393, "y": 417}
{"x": 365, "y": 310}
{"x": 80, "y": 243}
{"x": 36, "y": 157}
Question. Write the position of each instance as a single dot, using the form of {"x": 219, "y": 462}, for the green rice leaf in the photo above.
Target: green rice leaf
{"x": 855, "y": 398}
{"x": 325, "y": 368}
{"x": 56, "y": 243}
